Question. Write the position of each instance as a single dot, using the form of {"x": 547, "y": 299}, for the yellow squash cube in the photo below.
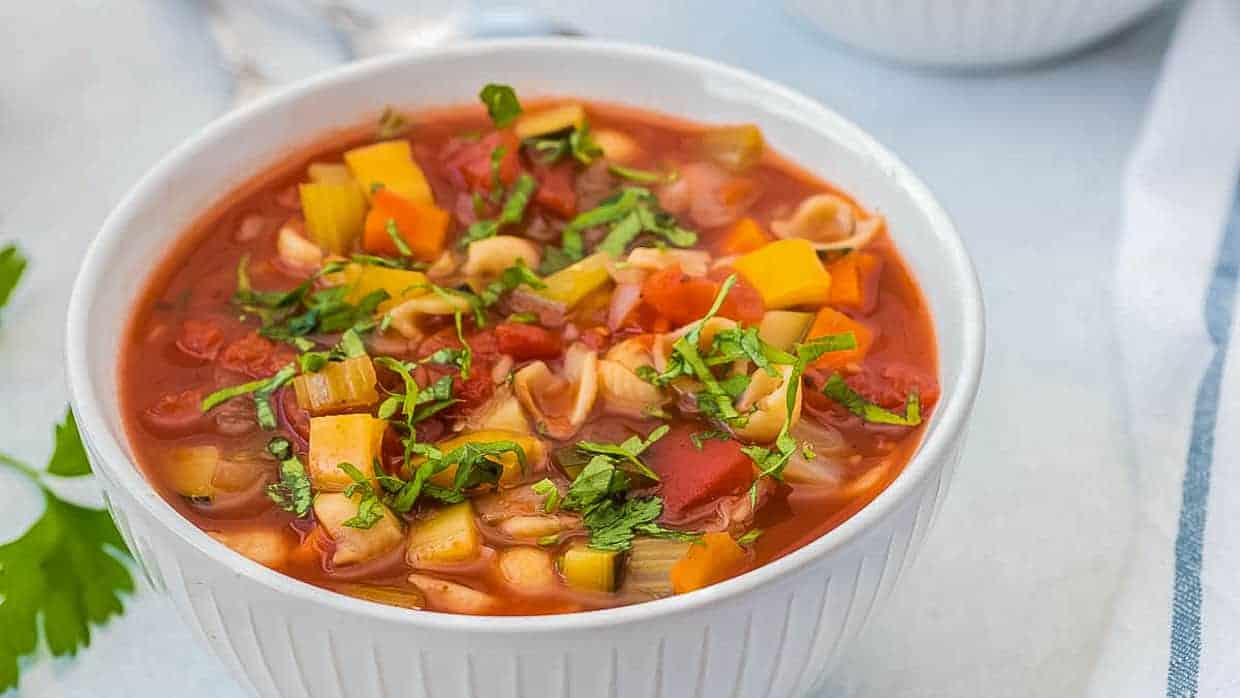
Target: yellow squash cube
{"x": 391, "y": 164}
{"x": 549, "y": 121}
{"x": 355, "y": 439}
{"x": 364, "y": 279}
{"x": 447, "y": 536}
{"x": 588, "y": 569}
{"x": 786, "y": 273}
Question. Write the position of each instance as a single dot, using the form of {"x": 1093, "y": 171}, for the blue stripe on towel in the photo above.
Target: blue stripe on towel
{"x": 1186, "y": 603}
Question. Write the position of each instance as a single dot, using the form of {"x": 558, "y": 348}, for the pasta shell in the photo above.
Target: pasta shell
{"x": 829, "y": 222}
{"x": 560, "y": 404}
{"x": 491, "y": 256}
{"x": 768, "y": 397}
{"x": 624, "y": 393}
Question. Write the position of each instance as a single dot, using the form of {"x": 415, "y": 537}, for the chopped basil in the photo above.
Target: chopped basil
{"x": 261, "y": 391}
{"x": 370, "y": 509}
{"x": 292, "y": 492}
{"x": 524, "y": 318}
{"x": 575, "y": 142}
{"x": 546, "y": 488}
{"x": 394, "y": 232}
{"x": 629, "y": 213}
{"x": 699, "y": 437}
{"x": 838, "y": 390}
{"x": 750, "y": 537}
{"x": 630, "y": 449}
{"x": 501, "y": 103}
{"x": 511, "y": 213}
{"x": 642, "y": 176}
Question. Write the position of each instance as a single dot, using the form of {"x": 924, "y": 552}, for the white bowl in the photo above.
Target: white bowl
{"x": 971, "y": 33}
{"x": 769, "y": 632}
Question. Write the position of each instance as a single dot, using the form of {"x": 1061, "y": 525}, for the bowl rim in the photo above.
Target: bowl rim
{"x": 933, "y": 450}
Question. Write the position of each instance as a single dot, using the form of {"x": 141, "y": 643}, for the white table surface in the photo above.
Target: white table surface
{"x": 1008, "y": 597}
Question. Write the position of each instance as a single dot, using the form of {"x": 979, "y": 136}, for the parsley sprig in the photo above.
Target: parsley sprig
{"x": 501, "y": 103}
{"x": 292, "y": 491}
{"x": 261, "y": 390}
{"x": 65, "y": 574}
{"x": 511, "y": 213}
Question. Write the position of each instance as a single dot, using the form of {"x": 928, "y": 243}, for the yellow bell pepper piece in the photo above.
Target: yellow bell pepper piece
{"x": 391, "y": 164}
{"x": 355, "y": 439}
{"x": 449, "y": 535}
{"x": 338, "y": 386}
{"x": 549, "y": 121}
{"x": 573, "y": 283}
{"x": 786, "y": 273}
{"x": 590, "y": 570}
{"x": 364, "y": 279}
{"x": 711, "y": 560}
{"x": 511, "y": 465}
{"x": 335, "y": 213}
{"x": 330, "y": 173}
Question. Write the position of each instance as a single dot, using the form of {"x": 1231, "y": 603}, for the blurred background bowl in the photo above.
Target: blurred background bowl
{"x": 971, "y": 33}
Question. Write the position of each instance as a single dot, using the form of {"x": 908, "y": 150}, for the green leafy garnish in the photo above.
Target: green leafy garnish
{"x": 292, "y": 492}
{"x": 477, "y": 463}
{"x": 629, "y": 449}
{"x": 642, "y": 176}
{"x": 750, "y": 537}
{"x": 262, "y": 391}
{"x": 511, "y": 213}
{"x": 597, "y": 493}
{"x": 350, "y": 346}
{"x": 369, "y": 507}
{"x": 838, "y": 390}
{"x": 575, "y": 142}
{"x": 12, "y": 266}
{"x": 630, "y": 212}
{"x": 771, "y": 461}
{"x": 326, "y": 310}
{"x": 65, "y": 573}
{"x": 523, "y": 318}
{"x": 501, "y": 103}
{"x": 546, "y": 488}
{"x": 511, "y": 278}
{"x": 392, "y": 123}
{"x": 393, "y": 232}
{"x": 699, "y": 437}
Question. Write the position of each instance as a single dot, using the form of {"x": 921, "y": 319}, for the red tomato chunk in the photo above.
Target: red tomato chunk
{"x": 692, "y": 476}
{"x": 523, "y": 342}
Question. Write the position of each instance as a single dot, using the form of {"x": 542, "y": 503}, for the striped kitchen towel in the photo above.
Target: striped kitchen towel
{"x": 1175, "y": 628}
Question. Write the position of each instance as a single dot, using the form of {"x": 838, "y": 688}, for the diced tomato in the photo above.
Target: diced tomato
{"x": 523, "y": 342}
{"x": 744, "y": 303}
{"x": 176, "y": 414}
{"x": 201, "y": 339}
{"x": 889, "y": 385}
{"x": 681, "y": 298}
{"x": 555, "y": 189}
{"x": 471, "y": 160}
{"x": 692, "y": 477}
{"x": 255, "y": 355}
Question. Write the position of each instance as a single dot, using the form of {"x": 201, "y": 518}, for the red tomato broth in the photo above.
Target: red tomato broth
{"x": 195, "y": 282}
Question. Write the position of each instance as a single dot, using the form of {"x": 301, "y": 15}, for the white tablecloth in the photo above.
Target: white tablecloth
{"x": 1014, "y": 587}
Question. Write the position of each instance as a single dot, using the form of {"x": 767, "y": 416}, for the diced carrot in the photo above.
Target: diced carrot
{"x": 690, "y": 476}
{"x": 711, "y": 560}
{"x": 831, "y": 321}
{"x": 745, "y": 236}
{"x": 854, "y": 281}
{"x": 422, "y": 226}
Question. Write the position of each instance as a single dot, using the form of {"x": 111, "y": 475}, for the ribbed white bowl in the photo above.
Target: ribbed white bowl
{"x": 971, "y": 33}
{"x": 771, "y": 632}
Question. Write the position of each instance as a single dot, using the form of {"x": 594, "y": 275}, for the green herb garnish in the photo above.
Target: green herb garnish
{"x": 642, "y": 176}
{"x": 501, "y": 103}
{"x": 700, "y": 437}
{"x": 262, "y": 391}
{"x": 66, "y": 573}
{"x": 12, "y": 266}
{"x": 629, "y": 450}
{"x": 838, "y": 390}
{"x": 370, "y": 509}
{"x": 292, "y": 492}
{"x": 546, "y": 488}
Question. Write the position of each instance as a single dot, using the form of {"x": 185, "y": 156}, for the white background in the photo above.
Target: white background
{"x": 1013, "y": 588}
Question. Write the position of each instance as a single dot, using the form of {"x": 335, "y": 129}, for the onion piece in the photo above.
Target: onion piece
{"x": 624, "y": 300}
